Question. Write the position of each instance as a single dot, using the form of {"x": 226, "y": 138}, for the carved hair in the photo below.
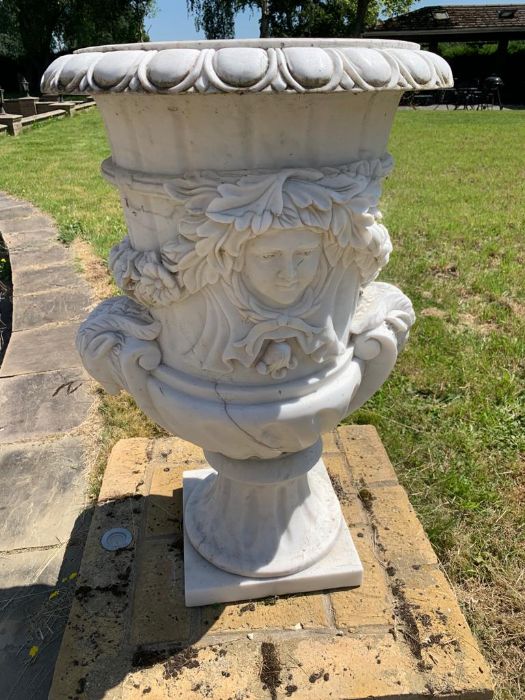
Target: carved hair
{"x": 226, "y": 210}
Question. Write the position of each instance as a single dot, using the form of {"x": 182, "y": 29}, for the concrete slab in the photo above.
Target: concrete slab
{"x": 7, "y": 200}
{"x": 22, "y": 240}
{"x": 56, "y": 113}
{"x": 46, "y": 279}
{"x": 66, "y": 107}
{"x": 46, "y": 492}
{"x": 400, "y": 636}
{"x": 12, "y": 122}
{"x": 16, "y": 211}
{"x": 41, "y": 349}
{"x": 35, "y": 310}
{"x": 26, "y": 254}
{"x": 37, "y": 405}
{"x": 36, "y": 592}
{"x": 28, "y": 223}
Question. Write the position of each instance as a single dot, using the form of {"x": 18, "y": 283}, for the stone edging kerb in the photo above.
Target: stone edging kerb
{"x": 344, "y": 66}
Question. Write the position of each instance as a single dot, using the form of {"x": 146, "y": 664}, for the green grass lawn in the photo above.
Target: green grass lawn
{"x": 452, "y": 416}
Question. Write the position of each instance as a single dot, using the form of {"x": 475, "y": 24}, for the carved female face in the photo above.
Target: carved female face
{"x": 279, "y": 265}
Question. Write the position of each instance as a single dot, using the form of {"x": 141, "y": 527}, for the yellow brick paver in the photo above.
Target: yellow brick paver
{"x": 368, "y": 460}
{"x": 400, "y": 636}
{"x": 371, "y": 603}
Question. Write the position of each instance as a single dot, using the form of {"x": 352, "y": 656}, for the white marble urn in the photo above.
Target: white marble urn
{"x": 250, "y": 175}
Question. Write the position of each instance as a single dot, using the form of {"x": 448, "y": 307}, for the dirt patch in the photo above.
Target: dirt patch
{"x": 187, "y": 658}
{"x": 271, "y": 600}
{"x": 94, "y": 270}
{"x": 516, "y": 307}
{"x": 410, "y": 630}
{"x": 314, "y": 677}
{"x": 444, "y": 271}
{"x": 431, "y": 312}
{"x": 367, "y": 498}
{"x": 146, "y": 658}
{"x": 82, "y": 593}
{"x": 270, "y": 674}
{"x": 338, "y": 488}
{"x": 470, "y": 322}
{"x": 249, "y": 607}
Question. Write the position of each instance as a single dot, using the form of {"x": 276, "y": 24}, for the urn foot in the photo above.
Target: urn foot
{"x": 254, "y": 528}
{"x": 206, "y": 584}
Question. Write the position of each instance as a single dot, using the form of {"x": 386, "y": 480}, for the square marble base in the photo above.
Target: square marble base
{"x": 205, "y": 584}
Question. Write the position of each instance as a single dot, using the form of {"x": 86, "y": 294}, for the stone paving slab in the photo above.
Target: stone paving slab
{"x": 49, "y": 278}
{"x": 33, "y": 221}
{"x": 38, "y": 405}
{"x": 32, "y": 239}
{"x": 36, "y": 253}
{"x": 46, "y": 494}
{"x": 42, "y": 468}
{"x": 26, "y": 582}
{"x": 400, "y": 636}
{"x": 38, "y": 349}
{"x": 55, "y": 306}
{"x": 30, "y": 609}
{"x": 15, "y": 210}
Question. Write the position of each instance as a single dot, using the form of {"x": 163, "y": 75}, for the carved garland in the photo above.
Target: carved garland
{"x": 223, "y": 211}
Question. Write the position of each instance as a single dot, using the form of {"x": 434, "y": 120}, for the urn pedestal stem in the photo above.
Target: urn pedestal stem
{"x": 264, "y": 518}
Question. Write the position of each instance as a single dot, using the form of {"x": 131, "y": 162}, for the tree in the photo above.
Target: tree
{"x": 89, "y": 22}
{"x": 288, "y": 18}
{"x": 34, "y": 31}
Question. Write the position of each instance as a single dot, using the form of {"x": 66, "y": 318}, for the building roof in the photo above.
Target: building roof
{"x": 455, "y": 21}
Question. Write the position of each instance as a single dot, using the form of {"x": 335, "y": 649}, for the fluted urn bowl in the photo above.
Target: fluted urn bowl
{"x": 250, "y": 174}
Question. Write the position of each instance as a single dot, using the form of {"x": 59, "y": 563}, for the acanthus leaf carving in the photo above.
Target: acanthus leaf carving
{"x": 232, "y": 225}
{"x": 117, "y": 343}
{"x": 226, "y": 210}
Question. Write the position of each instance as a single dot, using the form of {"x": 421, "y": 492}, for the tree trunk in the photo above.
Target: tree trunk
{"x": 360, "y": 17}
{"x": 264, "y": 23}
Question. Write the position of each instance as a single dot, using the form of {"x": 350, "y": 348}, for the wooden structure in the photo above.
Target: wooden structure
{"x": 455, "y": 23}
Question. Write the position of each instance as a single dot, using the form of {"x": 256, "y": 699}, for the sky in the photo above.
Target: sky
{"x": 171, "y": 21}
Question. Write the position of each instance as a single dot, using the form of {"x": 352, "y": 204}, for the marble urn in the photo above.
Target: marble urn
{"x": 251, "y": 322}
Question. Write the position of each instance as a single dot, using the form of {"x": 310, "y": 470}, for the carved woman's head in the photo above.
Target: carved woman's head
{"x": 277, "y": 231}
{"x": 280, "y": 264}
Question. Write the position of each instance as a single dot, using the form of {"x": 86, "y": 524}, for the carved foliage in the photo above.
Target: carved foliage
{"x": 147, "y": 276}
{"x": 117, "y": 344}
{"x": 224, "y": 211}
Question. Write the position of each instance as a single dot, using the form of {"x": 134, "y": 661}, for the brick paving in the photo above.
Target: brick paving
{"x": 401, "y": 635}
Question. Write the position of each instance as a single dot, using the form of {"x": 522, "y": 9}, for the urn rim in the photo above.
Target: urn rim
{"x": 255, "y": 43}
{"x": 249, "y": 66}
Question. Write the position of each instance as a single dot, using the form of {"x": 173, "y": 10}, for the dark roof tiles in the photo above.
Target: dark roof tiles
{"x": 459, "y": 17}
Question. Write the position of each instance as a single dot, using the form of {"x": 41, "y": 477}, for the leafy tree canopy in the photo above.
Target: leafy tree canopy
{"x": 33, "y": 31}
{"x": 287, "y": 18}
